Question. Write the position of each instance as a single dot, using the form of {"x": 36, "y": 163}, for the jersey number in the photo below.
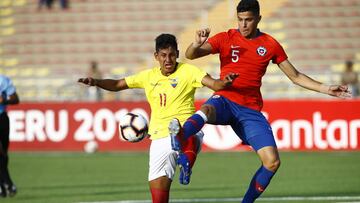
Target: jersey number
{"x": 235, "y": 55}
{"x": 162, "y": 99}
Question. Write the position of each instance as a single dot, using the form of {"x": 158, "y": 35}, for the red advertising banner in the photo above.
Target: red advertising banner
{"x": 297, "y": 125}
{"x": 69, "y": 126}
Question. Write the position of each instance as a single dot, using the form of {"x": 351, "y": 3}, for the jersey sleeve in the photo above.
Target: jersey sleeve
{"x": 137, "y": 80}
{"x": 279, "y": 54}
{"x": 215, "y": 42}
{"x": 198, "y": 76}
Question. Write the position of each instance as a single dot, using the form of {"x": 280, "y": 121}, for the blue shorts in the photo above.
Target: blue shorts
{"x": 250, "y": 126}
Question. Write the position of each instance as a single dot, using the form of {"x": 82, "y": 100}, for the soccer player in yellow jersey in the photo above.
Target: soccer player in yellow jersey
{"x": 170, "y": 90}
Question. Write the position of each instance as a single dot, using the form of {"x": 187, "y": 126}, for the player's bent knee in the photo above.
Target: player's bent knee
{"x": 272, "y": 165}
{"x": 162, "y": 182}
{"x": 209, "y": 111}
{"x": 269, "y": 157}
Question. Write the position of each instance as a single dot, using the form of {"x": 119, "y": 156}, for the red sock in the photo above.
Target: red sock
{"x": 190, "y": 149}
{"x": 159, "y": 195}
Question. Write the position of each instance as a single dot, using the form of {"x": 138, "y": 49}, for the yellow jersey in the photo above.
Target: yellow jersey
{"x": 169, "y": 96}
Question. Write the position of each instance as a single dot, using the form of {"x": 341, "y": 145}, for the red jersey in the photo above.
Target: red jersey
{"x": 249, "y": 58}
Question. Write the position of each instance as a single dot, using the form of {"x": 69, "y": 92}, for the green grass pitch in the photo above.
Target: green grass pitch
{"x": 78, "y": 177}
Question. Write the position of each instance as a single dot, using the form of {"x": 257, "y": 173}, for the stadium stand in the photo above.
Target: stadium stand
{"x": 318, "y": 36}
{"x": 46, "y": 51}
{"x": 57, "y": 45}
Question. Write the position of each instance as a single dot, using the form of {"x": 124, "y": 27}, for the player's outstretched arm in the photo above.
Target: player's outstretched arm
{"x": 305, "y": 81}
{"x": 199, "y": 47}
{"x": 106, "y": 84}
{"x": 218, "y": 84}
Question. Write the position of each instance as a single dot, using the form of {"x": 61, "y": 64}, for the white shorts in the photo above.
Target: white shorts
{"x": 162, "y": 161}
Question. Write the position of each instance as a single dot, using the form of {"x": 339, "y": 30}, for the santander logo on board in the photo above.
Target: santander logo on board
{"x": 301, "y": 134}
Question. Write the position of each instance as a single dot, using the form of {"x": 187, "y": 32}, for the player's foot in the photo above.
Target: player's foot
{"x": 2, "y": 191}
{"x": 185, "y": 169}
{"x": 175, "y": 134}
{"x": 11, "y": 190}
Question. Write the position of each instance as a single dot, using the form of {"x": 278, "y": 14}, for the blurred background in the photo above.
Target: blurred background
{"x": 45, "y": 45}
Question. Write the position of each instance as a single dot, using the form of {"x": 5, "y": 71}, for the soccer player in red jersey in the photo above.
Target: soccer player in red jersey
{"x": 246, "y": 51}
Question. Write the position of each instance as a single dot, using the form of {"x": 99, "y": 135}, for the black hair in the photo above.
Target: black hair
{"x": 164, "y": 41}
{"x": 349, "y": 63}
{"x": 249, "y": 5}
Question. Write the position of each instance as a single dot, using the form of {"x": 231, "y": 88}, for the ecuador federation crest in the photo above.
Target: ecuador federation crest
{"x": 261, "y": 51}
{"x": 174, "y": 82}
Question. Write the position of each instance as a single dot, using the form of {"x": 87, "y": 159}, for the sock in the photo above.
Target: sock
{"x": 190, "y": 149}
{"x": 258, "y": 184}
{"x": 159, "y": 195}
{"x": 194, "y": 124}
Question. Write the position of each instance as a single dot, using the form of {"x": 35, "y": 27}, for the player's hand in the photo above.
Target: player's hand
{"x": 201, "y": 37}
{"x": 341, "y": 91}
{"x": 229, "y": 78}
{"x": 87, "y": 81}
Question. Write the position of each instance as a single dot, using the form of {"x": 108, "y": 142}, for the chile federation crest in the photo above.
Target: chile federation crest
{"x": 261, "y": 51}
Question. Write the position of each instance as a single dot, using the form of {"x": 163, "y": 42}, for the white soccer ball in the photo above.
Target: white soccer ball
{"x": 91, "y": 147}
{"x": 133, "y": 127}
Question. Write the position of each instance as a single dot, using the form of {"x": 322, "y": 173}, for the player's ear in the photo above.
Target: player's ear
{"x": 177, "y": 53}
{"x": 156, "y": 55}
{"x": 259, "y": 18}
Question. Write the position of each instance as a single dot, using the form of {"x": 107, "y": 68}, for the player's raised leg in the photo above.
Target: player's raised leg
{"x": 187, "y": 148}
{"x": 192, "y": 125}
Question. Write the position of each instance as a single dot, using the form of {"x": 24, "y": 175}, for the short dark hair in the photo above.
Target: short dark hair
{"x": 164, "y": 41}
{"x": 249, "y": 5}
{"x": 349, "y": 63}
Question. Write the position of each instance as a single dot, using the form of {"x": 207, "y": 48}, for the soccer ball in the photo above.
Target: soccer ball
{"x": 91, "y": 147}
{"x": 133, "y": 127}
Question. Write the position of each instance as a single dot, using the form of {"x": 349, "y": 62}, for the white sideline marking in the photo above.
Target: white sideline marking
{"x": 263, "y": 199}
